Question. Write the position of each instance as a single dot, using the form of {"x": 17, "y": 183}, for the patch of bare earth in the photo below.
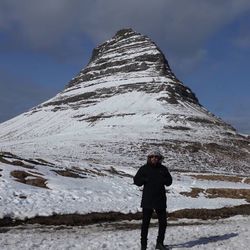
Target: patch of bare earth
{"x": 113, "y": 171}
{"x": 91, "y": 172}
{"x": 92, "y": 218}
{"x": 194, "y": 193}
{"x": 76, "y": 172}
{"x": 206, "y": 214}
{"x": 28, "y": 178}
{"x": 219, "y": 193}
{"x": 15, "y": 163}
{"x": 229, "y": 178}
{"x": 68, "y": 173}
{"x": 9, "y": 158}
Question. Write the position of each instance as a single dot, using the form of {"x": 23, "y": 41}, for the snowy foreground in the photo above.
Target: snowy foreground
{"x": 232, "y": 233}
{"x": 116, "y": 193}
{"x": 108, "y": 188}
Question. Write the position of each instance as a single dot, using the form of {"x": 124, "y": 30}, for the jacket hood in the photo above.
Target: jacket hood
{"x": 156, "y": 153}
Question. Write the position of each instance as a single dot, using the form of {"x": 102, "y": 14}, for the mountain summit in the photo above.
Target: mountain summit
{"x": 130, "y": 55}
{"x": 125, "y": 101}
{"x": 128, "y": 62}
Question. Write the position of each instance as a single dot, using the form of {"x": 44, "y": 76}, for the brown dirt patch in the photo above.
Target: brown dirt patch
{"x": 18, "y": 161}
{"x": 21, "y": 164}
{"x": 219, "y": 193}
{"x": 195, "y": 192}
{"x": 43, "y": 162}
{"x": 113, "y": 171}
{"x": 15, "y": 163}
{"x": 229, "y": 178}
{"x": 4, "y": 160}
{"x": 92, "y": 172}
{"x": 247, "y": 181}
{"x": 229, "y": 193}
{"x": 69, "y": 173}
{"x": 21, "y": 176}
{"x": 92, "y": 218}
{"x": 206, "y": 214}
{"x": 36, "y": 173}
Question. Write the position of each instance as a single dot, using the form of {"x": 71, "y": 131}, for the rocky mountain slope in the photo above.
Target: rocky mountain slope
{"x": 125, "y": 101}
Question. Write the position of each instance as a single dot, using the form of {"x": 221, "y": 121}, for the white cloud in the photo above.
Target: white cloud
{"x": 178, "y": 26}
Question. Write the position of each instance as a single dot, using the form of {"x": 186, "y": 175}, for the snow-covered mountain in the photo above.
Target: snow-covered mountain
{"x": 71, "y": 159}
{"x": 125, "y": 101}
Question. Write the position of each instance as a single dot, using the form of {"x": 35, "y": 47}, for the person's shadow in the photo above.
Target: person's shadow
{"x": 203, "y": 241}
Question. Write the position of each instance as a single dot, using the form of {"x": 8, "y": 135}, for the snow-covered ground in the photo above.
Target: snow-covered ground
{"x": 231, "y": 234}
{"x": 110, "y": 190}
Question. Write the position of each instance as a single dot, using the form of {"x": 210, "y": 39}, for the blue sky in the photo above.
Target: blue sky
{"x": 43, "y": 44}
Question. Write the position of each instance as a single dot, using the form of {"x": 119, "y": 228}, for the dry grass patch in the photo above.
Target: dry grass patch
{"x": 15, "y": 163}
{"x": 228, "y": 193}
{"x": 18, "y": 161}
{"x": 229, "y": 178}
{"x": 206, "y": 214}
{"x": 43, "y": 162}
{"x": 69, "y": 173}
{"x": 36, "y": 173}
{"x": 21, "y": 164}
{"x": 211, "y": 193}
{"x": 195, "y": 192}
{"x": 76, "y": 172}
{"x": 113, "y": 171}
{"x": 92, "y": 172}
{"x": 92, "y": 218}
{"x": 23, "y": 177}
{"x": 4, "y": 160}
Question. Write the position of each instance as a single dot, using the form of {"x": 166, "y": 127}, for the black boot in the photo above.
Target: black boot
{"x": 161, "y": 246}
{"x": 144, "y": 244}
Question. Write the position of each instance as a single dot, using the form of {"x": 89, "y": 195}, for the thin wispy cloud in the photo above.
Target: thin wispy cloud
{"x": 177, "y": 26}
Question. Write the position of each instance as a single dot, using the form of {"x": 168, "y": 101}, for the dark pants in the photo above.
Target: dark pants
{"x": 146, "y": 216}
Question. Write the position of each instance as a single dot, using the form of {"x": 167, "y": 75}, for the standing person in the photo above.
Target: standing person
{"x": 154, "y": 177}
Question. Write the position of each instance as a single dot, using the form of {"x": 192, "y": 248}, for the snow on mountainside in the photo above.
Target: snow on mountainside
{"x": 125, "y": 101}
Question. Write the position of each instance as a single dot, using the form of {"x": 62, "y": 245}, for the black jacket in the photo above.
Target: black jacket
{"x": 154, "y": 179}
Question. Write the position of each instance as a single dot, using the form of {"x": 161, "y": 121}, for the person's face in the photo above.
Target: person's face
{"x": 154, "y": 159}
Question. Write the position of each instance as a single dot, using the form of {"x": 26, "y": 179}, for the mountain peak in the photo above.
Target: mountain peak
{"x": 125, "y": 31}
{"x": 128, "y": 51}
{"x": 131, "y": 55}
